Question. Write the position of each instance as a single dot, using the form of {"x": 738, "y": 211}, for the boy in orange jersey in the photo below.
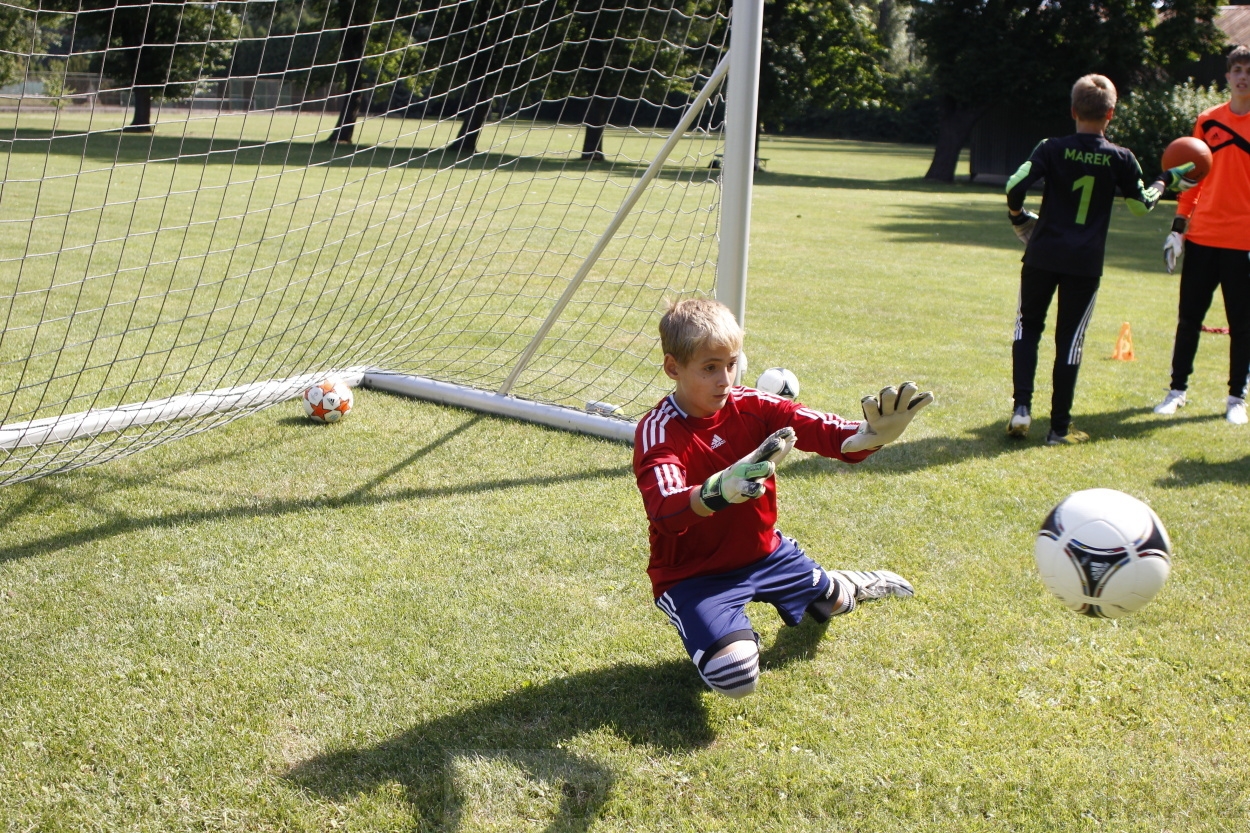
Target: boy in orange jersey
{"x": 1212, "y": 228}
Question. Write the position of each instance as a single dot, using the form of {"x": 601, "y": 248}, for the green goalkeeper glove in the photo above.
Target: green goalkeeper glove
{"x": 744, "y": 480}
{"x": 886, "y": 417}
{"x": 1176, "y": 179}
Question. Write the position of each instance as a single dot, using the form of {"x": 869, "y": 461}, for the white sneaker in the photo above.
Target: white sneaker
{"x": 1236, "y": 413}
{"x": 1175, "y": 399}
{"x": 876, "y": 584}
{"x": 1018, "y": 426}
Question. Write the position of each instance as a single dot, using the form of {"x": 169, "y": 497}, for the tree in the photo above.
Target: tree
{"x": 354, "y": 20}
{"x": 1027, "y": 53}
{"x": 614, "y": 52}
{"x": 509, "y": 55}
{"x": 377, "y": 50}
{"x": 481, "y": 55}
{"x": 159, "y": 50}
{"x": 353, "y": 47}
{"x": 816, "y": 55}
{"x": 285, "y": 39}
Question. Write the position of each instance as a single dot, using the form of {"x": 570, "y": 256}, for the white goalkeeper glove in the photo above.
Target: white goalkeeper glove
{"x": 1174, "y": 246}
{"x": 1022, "y": 224}
{"x": 744, "y": 480}
{"x": 886, "y": 416}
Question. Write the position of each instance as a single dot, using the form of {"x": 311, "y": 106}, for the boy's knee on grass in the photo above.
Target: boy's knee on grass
{"x": 734, "y": 669}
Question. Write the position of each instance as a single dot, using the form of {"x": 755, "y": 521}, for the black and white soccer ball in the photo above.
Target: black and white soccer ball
{"x": 1103, "y": 553}
{"x": 780, "y": 382}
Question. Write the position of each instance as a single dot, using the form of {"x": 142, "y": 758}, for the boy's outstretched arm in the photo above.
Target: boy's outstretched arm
{"x": 1140, "y": 199}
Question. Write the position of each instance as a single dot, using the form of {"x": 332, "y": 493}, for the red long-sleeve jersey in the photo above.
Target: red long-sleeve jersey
{"x": 675, "y": 452}
{"x": 1218, "y": 207}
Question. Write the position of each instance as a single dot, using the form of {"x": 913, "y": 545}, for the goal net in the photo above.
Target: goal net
{"x": 206, "y": 207}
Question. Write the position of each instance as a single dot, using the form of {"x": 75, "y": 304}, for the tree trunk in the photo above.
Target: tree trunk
{"x": 354, "y": 38}
{"x": 596, "y": 120}
{"x": 346, "y": 124}
{"x": 953, "y": 132}
{"x": 474, "y": 118}
{"x": 142, "y": 122}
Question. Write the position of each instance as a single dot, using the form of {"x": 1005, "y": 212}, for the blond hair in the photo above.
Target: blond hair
{"x": 694, "y": 323}
{"x": 1092, "y": 97}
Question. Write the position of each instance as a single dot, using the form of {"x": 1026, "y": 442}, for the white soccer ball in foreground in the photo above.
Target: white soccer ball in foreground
{"x": 1103, "y": 553}
{"x": 778, "y": 381}
{"x": 327, "y": 401}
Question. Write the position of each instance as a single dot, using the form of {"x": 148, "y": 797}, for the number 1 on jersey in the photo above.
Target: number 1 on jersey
{"x": 1086, "y": 186}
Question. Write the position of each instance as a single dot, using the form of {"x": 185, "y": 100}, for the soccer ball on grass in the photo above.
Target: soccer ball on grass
{"x": 1103, "y": 553}
{"x": 327, "y": 401}
{"x": 780, "y": 382}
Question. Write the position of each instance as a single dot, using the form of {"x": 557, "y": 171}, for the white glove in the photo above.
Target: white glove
{"x": 1174, "y": 246}
{"x": 886, "y": 417}
{"x": 1022, "y": 224}
{"x": 744, "y": 480}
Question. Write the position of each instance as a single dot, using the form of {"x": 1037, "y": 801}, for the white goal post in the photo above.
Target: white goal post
{"x": 484, "y": 204}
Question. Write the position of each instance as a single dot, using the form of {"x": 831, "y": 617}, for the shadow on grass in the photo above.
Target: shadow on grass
{"x": 1196, "y": 472}
{"x": 362, "y": 495}
{"x": 456, "y": 770}
{"x": 658, "y": 706}
{"x": 916, "y": 184}
{"x": 114, "y": 147}
{"x": 989, "y": 441}
{"x": 1134, "y": 244}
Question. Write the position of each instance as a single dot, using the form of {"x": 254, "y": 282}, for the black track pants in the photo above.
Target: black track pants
{"x": 1205, "y": 268}
{"x": 1077, "y": 294}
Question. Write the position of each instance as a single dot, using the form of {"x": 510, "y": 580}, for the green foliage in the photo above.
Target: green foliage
{"x": 1148, "y": 119}
{"x": 907, "y": 111}
{"x": 391, "y": 62}
{"x": 1025, "y": 54}
{"x": 284, "y": 38}
{"x": 599, "y": 56}
{"x": 1030, "y": 51}
{"x": 54, "y": 89}
{"x": 25, "y": 32}
{"x": 818, "y": 56}
{"x": 169, "y": 47}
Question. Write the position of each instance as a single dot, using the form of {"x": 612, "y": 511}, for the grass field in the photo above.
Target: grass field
{"x": 428, "y": 619}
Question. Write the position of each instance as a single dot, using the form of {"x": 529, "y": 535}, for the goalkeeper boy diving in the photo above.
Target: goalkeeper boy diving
{"x": 705, "y": 459}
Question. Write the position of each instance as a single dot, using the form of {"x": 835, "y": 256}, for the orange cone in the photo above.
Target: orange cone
{"x": 1124, "y": 345}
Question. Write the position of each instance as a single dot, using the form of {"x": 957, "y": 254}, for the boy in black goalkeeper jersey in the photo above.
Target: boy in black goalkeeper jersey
{"x": 1065, "y": 243}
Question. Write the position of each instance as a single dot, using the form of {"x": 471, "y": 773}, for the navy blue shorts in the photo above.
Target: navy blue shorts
{"x": 709, "y": 611}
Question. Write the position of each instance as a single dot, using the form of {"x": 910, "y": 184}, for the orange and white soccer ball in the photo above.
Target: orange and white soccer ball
{"x": 327, "y": 401}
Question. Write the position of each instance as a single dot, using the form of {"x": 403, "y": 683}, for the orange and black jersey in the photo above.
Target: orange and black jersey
{"x": 1218, "y": 207}
{"x": 1082, "y": 173}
